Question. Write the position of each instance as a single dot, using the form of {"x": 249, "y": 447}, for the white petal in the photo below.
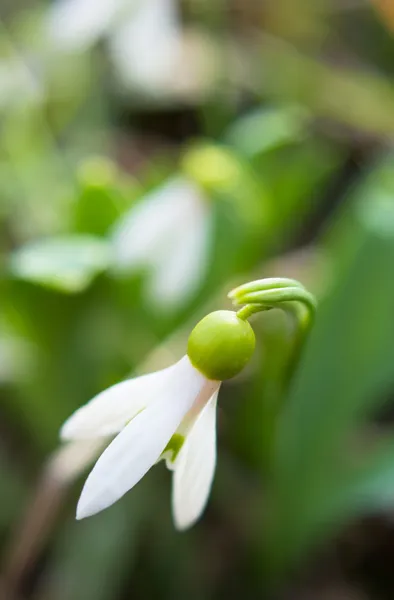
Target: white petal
{"x": 195, "y": 468}
{"x": 149, "y": 225}
{"x": 147, "y": 46}
{"x": 75, "y": 24}
{"x": 68, "y": 462}
{"x": 140, "y": 444}
{"x": 170, "y": 230}
{"x": 182, "y": 263}
{"x": 108, "y": 412}
{"x": 179, "y": 272}
{"x": 190, "y": 418}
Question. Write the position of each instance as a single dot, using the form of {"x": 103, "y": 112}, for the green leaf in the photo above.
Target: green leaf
{"x": 347, "y": 369}
{"x": 267, "y": 129}
{"x": 65, "y": 264}
{"x": 102, "y": 195}
{"x": 360, "y": 98}
{"x": 92, "y": 558}
{"x": 370, "y": 486}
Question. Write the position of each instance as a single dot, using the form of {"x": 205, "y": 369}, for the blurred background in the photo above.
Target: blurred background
{"x": 153, "y": 155}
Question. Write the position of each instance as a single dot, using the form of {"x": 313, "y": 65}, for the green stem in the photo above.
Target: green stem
{"x": 290, "y": 296}
{"x": 265, "y": 294}
{"x": 248, "y": 310}
{"x": 293, "y": 299}
{"x": 274, "y": 297}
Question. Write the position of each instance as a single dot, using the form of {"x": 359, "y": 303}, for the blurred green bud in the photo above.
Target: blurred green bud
{"x": 97, "y": 172}
{"x": 212, "y": 167}
{"x": 221, "y": 345}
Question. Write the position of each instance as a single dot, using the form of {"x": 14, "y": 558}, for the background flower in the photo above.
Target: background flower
{"x": 169, "y": 232}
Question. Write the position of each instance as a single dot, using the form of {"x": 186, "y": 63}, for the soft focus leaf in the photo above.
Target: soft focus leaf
{"x": 359, "y": 98}
{"x": 264, "y": 130}
{"x": 102, "y": 195}
{"x": 92, "y": 559}
{"x": 64, "y": 264}
{"x": 351, "y": 348}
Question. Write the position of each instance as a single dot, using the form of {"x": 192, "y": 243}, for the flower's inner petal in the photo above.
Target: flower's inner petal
{"x": 172, "y": 450}
{"x": 195, "y": 468}
{"x": 112, "y": 409}
{"x": 140, "y": 444}
{"x": 174, "y": 446}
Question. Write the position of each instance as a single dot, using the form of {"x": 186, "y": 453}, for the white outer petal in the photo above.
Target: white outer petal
{"x": 170, "y": 231}
{"x": 68, "y": 462}
{"x": 147, "y": 46}
{"x": 195, "y": 468}
{"x": 136, "y": 449}
{"x": 76, "y": 24}
{"x": 150, "y": 226}
{"x": 178, "y": 274}
{"x": 108, "y": 412}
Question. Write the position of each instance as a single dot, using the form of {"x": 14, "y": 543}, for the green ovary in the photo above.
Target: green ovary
{"x": 221, "y": 345}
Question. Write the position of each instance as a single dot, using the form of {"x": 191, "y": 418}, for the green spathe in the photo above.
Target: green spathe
{"x": 221, "y": 345}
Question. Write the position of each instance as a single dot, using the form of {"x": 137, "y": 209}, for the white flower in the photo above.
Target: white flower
{"x": 169, "y": 233}
{"x": 144, "y": 36}
{"x": 77, "y": 24}
{"x": 169, "y": 414}
{"x": 147, "y": 47}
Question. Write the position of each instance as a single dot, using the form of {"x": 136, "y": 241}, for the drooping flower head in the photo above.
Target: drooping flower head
{"x": 171, "y": 414}
{"x": 169, "y": 234}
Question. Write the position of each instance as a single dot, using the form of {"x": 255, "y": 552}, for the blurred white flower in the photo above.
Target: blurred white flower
{"x": 77, "y": 24}
{"x": 147, "y": 47}
{"x": 145, "y": 38}
{"x": 169, "y": 233}
{"x": 169, "y": 414}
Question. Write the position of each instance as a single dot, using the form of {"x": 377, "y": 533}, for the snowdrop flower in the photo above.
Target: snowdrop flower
{"x": 147, "y": 47}
{"x": 168, "y": 233}
{"x": 145, "y": 39}
{"x": 170, "y": 415}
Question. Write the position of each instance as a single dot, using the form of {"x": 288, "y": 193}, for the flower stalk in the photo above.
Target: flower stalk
{"x": 290, "y": 296}
{"x": 286, "y": 294}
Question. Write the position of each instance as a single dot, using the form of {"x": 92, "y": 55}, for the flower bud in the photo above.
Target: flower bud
{"x": 221, "y": 345}
{"x": 214, "y": 168}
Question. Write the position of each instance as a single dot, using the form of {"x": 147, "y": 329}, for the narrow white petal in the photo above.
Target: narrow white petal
{"x": 149, "y": 226}
{"x": 108, "y": 412}
{"x": 68, "y": 462}
{"x": 195, "y": 468}
{"x": 75, "y": 24}
{"x": 140, "y": 444}
{"x": 188, "y": 421}
{"x": 179, "y": 270}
